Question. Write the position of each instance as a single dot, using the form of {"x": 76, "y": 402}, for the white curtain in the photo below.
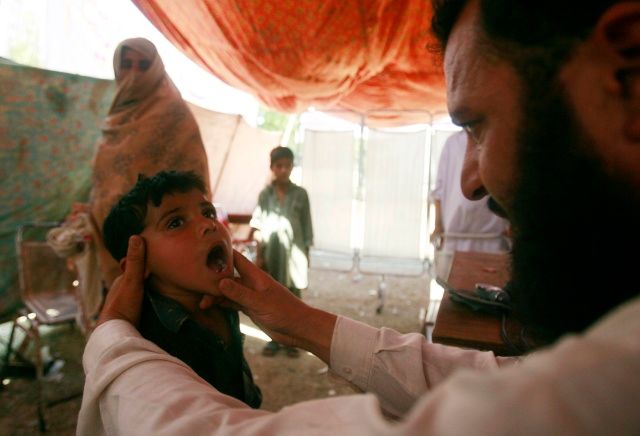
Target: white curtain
{"x": 328, "y": 175}
{"x": 394, "y": 194}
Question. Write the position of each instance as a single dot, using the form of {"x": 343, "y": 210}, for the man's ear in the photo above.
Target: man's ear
{"x": 618, "y": 34}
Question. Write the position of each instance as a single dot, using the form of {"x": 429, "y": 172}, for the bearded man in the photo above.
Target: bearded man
{"x": 549, "y": 95}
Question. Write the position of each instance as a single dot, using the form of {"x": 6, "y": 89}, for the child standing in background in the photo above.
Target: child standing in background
{"x": 281, "y": 225}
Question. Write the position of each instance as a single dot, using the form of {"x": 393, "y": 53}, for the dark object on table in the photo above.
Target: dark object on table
{"x": 484, "y": 298}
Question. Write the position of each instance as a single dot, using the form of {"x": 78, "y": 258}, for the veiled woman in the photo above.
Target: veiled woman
{"x": 149, "y": 128}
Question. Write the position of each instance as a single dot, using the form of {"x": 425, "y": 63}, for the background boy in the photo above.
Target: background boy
{"x": 284, "y": 231}
{"x": 188, "y": 253}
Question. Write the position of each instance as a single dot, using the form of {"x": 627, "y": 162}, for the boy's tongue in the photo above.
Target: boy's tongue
{"x": 217, "y": 264}
{"x": 215, "y": 260}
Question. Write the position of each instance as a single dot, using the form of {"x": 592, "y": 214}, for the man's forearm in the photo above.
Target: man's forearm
{"x": 316, "y": 332}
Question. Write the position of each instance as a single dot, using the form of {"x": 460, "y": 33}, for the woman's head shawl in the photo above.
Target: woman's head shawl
{"x": 135, "y": 87}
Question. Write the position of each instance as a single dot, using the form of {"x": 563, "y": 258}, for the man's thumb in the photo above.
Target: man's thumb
{"x": 135, "y": 258}
{"x": 234, "y": 291}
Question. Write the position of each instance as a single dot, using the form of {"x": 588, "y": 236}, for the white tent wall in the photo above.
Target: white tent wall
{"x": 244, "y": 168}
{"x": 394, "y": 194}
{"x": 328, "y": 176}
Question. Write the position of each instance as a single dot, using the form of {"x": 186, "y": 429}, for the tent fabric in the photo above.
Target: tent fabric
{"x": 327, "y": 175}
{"x": 238, "y": 158}
{"x": 366, "y": 56}
{"x": 246, "y": 169}
{"x": 48, "y": 127}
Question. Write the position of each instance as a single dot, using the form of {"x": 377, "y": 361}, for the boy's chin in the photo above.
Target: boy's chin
{"x": 214, "y": 289}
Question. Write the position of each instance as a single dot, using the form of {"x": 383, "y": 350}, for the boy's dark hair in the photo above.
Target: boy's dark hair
{"x": 281, "y": 152}
{"x": 127, "y": 216}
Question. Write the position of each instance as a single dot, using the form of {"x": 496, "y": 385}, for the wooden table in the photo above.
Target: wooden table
{"x": 458, "y": 325}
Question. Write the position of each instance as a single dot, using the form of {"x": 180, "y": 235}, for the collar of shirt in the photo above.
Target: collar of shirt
{"x": 170, "y": 313}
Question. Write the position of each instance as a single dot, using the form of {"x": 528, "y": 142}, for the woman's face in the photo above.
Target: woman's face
{"x": 132, "y": 62}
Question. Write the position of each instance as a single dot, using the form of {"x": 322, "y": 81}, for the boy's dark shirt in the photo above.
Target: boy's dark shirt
{"x": 167, "y": 324}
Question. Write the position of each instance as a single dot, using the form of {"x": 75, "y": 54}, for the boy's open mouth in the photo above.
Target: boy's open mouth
{"x": 216, "y": 259}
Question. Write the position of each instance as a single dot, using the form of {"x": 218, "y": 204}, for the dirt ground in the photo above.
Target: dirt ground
{"x": 283, "y": 380}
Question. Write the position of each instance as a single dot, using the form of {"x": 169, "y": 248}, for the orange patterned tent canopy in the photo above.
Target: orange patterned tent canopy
{"x": 365, "y": 56}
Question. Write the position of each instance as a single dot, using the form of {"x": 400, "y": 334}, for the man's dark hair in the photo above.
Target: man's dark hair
{"x": 515, "y": 28}
{"x": 281, "y": 152}
{"x": 127, "y": 216}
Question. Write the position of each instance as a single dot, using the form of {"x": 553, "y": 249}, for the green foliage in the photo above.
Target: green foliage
{"x": 272, "y": 120}
{"x": 24, "y": 53}
{"x": 275, "y": 121}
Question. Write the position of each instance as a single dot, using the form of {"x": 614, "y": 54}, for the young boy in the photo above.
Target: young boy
{"x": 188, "y": 252}
{"x": 283, "y": 230}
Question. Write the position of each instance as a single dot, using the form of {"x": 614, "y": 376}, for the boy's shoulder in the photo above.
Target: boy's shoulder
{"x": 297, "y": 188}
{"x": 267, "y": 190}
{"x": 302, "y": 191}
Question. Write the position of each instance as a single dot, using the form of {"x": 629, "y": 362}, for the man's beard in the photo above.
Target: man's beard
{"x": 573, "y": 223}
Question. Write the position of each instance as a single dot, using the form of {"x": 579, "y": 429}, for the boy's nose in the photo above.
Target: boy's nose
{"x": 207, "y": 225}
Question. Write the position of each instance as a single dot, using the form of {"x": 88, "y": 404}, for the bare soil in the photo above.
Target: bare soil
{"x": 283, "y": 380}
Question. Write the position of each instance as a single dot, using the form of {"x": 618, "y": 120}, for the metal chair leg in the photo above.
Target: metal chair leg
{"x": 7, "y": 354}
{"x": 35, "y": 330}
{"x": 382, "y": 286}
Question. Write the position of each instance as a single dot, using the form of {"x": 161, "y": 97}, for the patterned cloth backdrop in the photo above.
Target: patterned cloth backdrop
{"x": 49, "y": 124}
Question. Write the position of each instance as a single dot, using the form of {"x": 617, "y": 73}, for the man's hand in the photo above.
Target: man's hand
{"x": 282, "y": 315}
{"x": 436, "y": 239}
{"x": 124, "y": 299}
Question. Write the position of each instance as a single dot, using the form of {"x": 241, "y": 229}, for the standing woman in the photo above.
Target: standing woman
{"x": 149, "y": 128}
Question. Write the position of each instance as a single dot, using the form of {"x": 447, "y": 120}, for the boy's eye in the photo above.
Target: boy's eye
{"x": 126, "y": 64}
{"x": 209, "y": 213}
{"x": 174, "y": 223}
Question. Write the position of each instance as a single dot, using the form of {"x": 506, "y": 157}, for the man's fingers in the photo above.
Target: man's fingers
{"x": 251, "y": 274}
{"x": 236, "y": 292}
{"x": 135, "y": 259}
{"x": 241, "y": 263}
